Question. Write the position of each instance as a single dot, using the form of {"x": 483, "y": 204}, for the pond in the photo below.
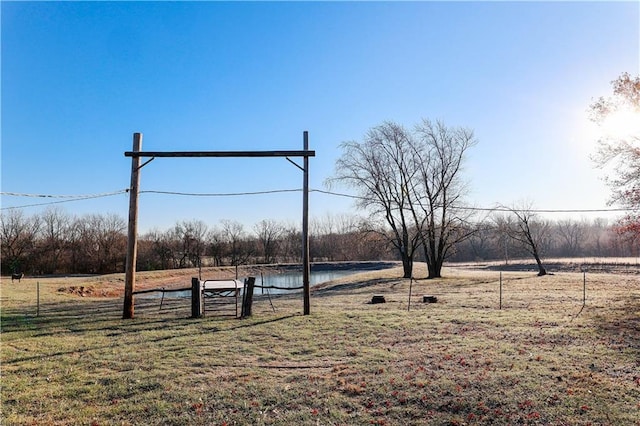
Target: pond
{"x": 294, "y": 279}
{"x": 284, "y": 280}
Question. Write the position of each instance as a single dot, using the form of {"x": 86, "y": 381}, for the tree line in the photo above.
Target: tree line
{"x": 410, "y": 186}
{"x": 56, "y": 242}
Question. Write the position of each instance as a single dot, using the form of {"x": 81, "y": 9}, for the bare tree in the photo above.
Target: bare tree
{"x": 571, "y": 235}
{"x": 55, "y": 228}
{"x": 438, "y": 189}
{"x": 98, "y": 243}
{"x": 155, "y": 250}
{"x": 269, "y": 233}
{"x": 528, "y": 231}
{"x": 414, "y": 182}
{"x": 238, "y": 249}
{"x": 480, "y": 242}
{"x": 331, "y": 237}
{"x": 216, "y": 245}
{"x": 190, "y": 236}
{"x": 291, "y": 243}
{"x": 380, "y": 169}
{"x": 18, "y": 236}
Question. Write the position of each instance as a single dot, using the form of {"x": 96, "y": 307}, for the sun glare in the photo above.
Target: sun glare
{"x": 621, "y": 124}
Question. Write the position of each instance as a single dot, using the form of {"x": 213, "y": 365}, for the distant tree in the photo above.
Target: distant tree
{"x": 155, "y": 250}
{"x": 480, "y": 242}
{"x": 501, "y": 225}
{"x": 291, "y": 243}
{"x": 54, "y": 237}
{"x": 112, "y": 240}
{"x": 18, "y": 236}
{"x": 571, "y": 235}
{"x": 190, "y": 236}
{"x": 268, "y": 233}
{"x": 216, "y": 245}
{"x": 239, "y": 249}
{"x": 98, "y": 244}
{"x": 619, "y": 117}
{"x": 334, "y": 237}
{"x": 529, "y": 232}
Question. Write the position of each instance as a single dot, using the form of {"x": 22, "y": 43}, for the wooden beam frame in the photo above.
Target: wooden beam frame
{"x": 136, "y": 154}
{"x": 227, "y": 154}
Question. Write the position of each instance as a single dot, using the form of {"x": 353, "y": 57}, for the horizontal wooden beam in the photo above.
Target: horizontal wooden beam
{"x": 301, "y": 153}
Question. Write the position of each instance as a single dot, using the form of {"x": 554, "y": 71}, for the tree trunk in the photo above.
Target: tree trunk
{"x": 435, "y": 271}
{"x": 434, "y": 266}
{"x": 541, "y": 270}
{"x": 407, "y": 266}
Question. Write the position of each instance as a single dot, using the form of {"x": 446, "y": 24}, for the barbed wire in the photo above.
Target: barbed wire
{"x": 70, "y": 198}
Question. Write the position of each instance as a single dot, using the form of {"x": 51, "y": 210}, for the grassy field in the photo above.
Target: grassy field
{"x": 541, "y": 359}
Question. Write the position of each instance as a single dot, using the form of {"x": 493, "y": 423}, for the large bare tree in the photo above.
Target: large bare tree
{"x": 437, "y": 190}
{"x": 380, "y": 169}
{"x": 412, "y": 181}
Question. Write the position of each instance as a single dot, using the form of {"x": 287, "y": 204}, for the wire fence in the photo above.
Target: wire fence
{"x": 494, "y": 291}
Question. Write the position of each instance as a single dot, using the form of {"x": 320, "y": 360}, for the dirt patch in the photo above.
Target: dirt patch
{"x": 89, "y": 291}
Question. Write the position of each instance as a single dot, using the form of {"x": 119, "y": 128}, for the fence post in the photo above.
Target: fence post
{"x": 38, "y": 297}
{"x": 247, "y": 300}
{"x": 196, "y": 298}
{"x": 584, "y": 289}
{"x": 501, "y": 290}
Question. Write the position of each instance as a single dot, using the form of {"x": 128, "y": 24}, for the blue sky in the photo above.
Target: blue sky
{"x": 79, "y": 78}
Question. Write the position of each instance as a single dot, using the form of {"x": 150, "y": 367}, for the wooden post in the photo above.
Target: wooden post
{"x": 38, "y": 297}
{"x": 247, "y": 300}
{"x": 584, "y": 289}
{"x": 196, "y": 298}
{"x": 410, "y": 288}
{"x": 500, "y": 289}
{"x": 305, "y": 229}
{"x": 132, "y": 239}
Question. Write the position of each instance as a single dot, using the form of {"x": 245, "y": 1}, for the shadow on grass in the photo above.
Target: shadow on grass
{"x": 621, "y": 326}
{"x": 104, "y": 317}
{"x": 350, "y": 287}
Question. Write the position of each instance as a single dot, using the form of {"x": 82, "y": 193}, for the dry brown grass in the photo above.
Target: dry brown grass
{"x": 542, "y": 359}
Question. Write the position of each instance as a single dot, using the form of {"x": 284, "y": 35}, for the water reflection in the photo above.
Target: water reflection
{"x": 293, "y": 280}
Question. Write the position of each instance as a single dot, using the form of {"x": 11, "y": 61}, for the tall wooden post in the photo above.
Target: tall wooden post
{"x": 305, "y": 229}
{"x": 132, "y": 239}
